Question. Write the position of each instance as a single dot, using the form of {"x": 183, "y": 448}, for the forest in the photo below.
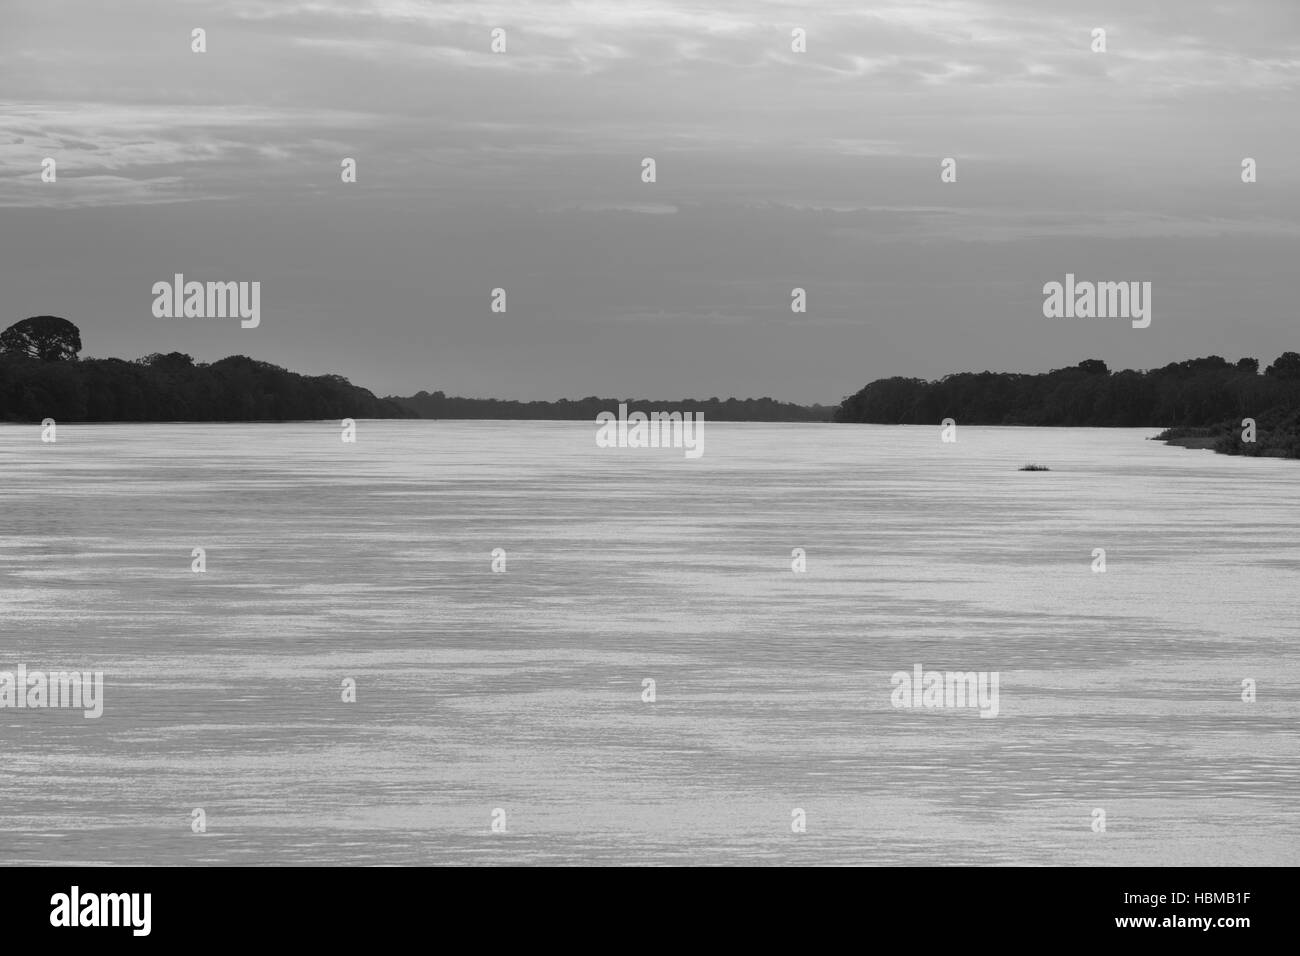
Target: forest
{"x": 42, "y": 377}
{"x": 1205, "y": 398}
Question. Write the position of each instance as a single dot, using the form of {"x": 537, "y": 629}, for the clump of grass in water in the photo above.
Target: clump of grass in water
{"x": 1035, "y": 468}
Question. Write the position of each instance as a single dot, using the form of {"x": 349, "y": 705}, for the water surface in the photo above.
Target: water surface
{"x": 522, "y": 690}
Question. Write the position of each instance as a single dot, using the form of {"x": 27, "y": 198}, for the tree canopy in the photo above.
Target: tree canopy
{"x": 171, "y": 388}
{"x": 1196, "y": 392}
{"x": 1287, "y": 366}
{"x": 44, "y": 337}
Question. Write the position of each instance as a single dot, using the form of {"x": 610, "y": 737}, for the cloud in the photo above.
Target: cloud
{"x": 413, "y": 89}
{"x": 114, "y": 154}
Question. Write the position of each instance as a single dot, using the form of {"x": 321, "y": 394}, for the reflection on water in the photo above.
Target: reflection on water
{"x": 522, "y": 690}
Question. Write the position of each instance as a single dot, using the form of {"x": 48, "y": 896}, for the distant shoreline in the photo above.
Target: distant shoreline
{"x": 1199, "y": 440}
{"x": 1196, "y": 443}
{"x": 1209, "y": 403}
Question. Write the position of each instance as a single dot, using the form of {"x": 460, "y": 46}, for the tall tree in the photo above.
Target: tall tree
{"x": 1286, "y": 366}
{"x": 45, "y": 337}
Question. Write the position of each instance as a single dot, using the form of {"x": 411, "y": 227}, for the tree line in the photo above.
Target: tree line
{"x": 1204, "y": 399}
{"x": 439, "y": 405}
{"x": 1206, "y": 396}
{"x": 41, "y": 377}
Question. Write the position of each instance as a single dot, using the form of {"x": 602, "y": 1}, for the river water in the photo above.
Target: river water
{"x": 521, "y": 691}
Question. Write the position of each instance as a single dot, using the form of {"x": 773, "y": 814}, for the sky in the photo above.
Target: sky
{"x": 775, "y": 170}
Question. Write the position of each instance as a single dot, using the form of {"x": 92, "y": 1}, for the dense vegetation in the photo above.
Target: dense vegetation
{"x": 1202, "y": 401}
{"x": 41, "y": 377}
{"x": 439, "y": 405}
{"x": 1277, "y": 435}
{"x": 172, "y": 388}
{"x": 1205, "y": 397}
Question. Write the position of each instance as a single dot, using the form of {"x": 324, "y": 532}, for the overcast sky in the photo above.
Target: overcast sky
{"x": 776, "y": 169}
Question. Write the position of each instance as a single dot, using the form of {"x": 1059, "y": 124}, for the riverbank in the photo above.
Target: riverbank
{"x": 1275, "y": 434}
